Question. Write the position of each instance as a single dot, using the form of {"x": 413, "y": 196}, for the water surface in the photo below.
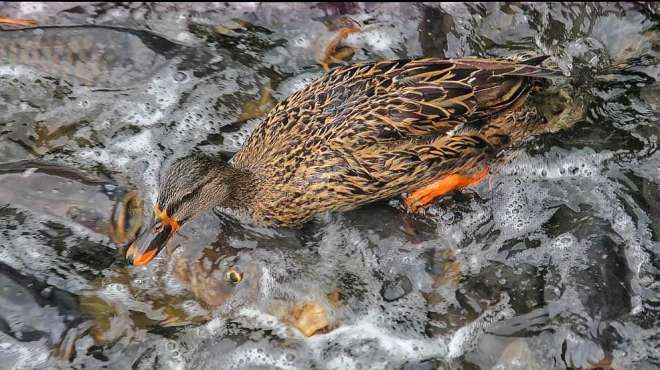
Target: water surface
{"x": 550, "y": 264}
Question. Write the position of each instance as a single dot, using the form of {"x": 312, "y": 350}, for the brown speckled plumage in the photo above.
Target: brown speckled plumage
{"x": 358, "y": 134}
{"x": 371, "y": 131}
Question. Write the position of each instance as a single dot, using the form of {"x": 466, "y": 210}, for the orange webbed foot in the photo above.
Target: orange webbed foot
{"x": 18, "y": 22}
{"x": 425, "y": 195}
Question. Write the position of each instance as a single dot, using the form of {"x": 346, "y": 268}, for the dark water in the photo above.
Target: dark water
{"x": 550, "y": 264}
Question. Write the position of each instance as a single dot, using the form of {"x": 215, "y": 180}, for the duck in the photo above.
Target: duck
{"x": 361, "y": 133}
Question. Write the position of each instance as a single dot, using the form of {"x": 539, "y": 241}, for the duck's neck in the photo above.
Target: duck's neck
{"x": 243, "y": 187}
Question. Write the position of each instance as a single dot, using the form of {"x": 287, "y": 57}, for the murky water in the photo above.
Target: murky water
{"x": 551, "y": 264}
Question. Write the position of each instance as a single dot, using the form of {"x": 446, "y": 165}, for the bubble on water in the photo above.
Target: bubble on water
{"x": 376, "y": 343}
{"x": 405, "y": 316}
{"x": 564, "y": 242}
{"x": 558, "y": 164}
{"x": 301, "y": 41}
{"x": 235, "y": 140}
{"x": 180, "y": 76}
{"x": 378, "y": 40}
{"x": 117, "y": 291}
{"x": 27, "y": 8}
{"x": 381, "y": 40}
{"x": 256, "y": 357}
{"x": 518, "y": 208}
{"x": 164, "y": 90}
{"x": 124, "y": 151}
{"x": 215, "y": 325}
{"x": 296, "y": 83}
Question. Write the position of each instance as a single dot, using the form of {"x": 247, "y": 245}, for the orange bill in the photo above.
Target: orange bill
{"x": 152, "y": 240}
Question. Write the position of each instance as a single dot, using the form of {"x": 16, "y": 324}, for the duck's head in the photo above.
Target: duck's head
{"x": 189, "y": 187}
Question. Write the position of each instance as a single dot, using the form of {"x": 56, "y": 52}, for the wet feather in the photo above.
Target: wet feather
{"x": 371, "y": 131}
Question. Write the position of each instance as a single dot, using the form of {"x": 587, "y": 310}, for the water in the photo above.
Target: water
{"x": 551, "y": 263}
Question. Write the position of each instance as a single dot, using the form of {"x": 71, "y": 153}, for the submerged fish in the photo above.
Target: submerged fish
{"x": 31, "y": 310}
{"x": 99, "y": 56}
{"x": 68, "y": 194}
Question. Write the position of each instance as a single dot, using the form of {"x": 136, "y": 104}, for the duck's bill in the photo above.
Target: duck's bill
{"x": 147, "y": 246}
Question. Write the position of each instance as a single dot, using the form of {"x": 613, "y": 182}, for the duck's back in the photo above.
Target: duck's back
{"x": 373, "y": 130}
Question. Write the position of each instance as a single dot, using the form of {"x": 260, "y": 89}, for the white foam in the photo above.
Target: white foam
{"x": 23, "y": 355}
{"x": 297, "y": 83}
{"x": 234, "y": 141}
{"x": 165, "y": 91}
{"x": 257, "y": 357}
{"x": 465, "y": 337}
{"x": 265, "y": 320}
{"x": 558, "y": 164}
{"x": 28, "y": 7}
{"x": 18, "y": 70}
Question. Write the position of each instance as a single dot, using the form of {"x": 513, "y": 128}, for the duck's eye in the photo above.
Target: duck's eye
{"x": 233, "y": 276}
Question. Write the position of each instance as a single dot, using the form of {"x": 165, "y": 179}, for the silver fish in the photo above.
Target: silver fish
{"x": 72, "y": 196}
{"x": 97, "y": 56}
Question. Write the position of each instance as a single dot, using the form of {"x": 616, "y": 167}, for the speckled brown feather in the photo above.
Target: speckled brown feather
{"x": 372, "y": 131}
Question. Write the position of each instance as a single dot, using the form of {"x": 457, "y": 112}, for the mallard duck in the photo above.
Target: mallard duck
{"x": 358, "y": 134}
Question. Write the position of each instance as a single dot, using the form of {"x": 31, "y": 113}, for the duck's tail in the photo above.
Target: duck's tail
{"x": 560, "y": 103}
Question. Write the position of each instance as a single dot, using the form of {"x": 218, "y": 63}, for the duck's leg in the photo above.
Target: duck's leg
{"x": 333, "y": 52}
{"x": 18, "y": 22}
{"x": 257, "y": 108}
{"x": 425, "y": 195}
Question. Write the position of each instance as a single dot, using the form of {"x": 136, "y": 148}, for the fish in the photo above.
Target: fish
{"x": 70, "y": 195}
{"x": 98, "y": 56}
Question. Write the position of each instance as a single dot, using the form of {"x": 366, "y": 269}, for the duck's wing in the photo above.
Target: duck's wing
{"x": 428, "y": 97}
{"x": 367, "y": 104}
